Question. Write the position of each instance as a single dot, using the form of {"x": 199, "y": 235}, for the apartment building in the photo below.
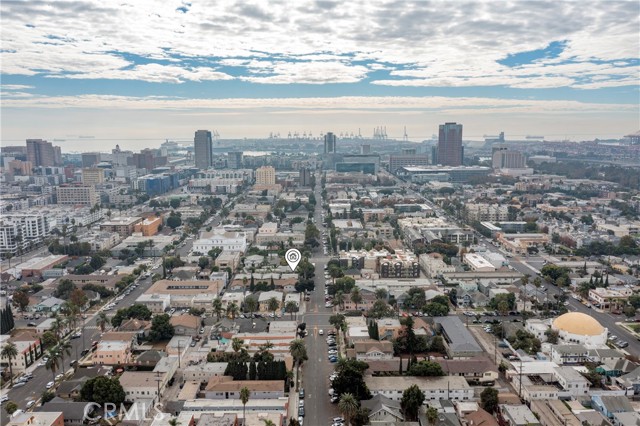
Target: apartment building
{"x": 123, "y": 226}
{"x": 452, "y": 388}
{"x": 21, "y": 231}
{"x": 77, "y": 194}
{"x": 483, "y": 212}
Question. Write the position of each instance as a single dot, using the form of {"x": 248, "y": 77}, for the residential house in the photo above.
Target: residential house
{"x": 477, "y": 370}
{"x": 388, "y": 328}
{"x": 114, "y": 348}
{"x": 224, "y": 387}
{"x": 50, "y": 304}
{"x": 517, "y": 415}
{"x": 569, "y": 354}
{"x": 202, "y": 373}
{"x": 572, "y": 382}
{"x": 373, "y": 350}
{"x": 55, "y": 418}
{"x": 150, "y": 358}
{"x": 481, "y": 417}
{"x": 185, "y": 325}
{"x": 265, "y": 296}
{"x": 73, "y": 413}
{"x": 140, "y": 384}
{"x": 553, "y": 412}
{"x": 383, "y": 409}
{"x": 630, "y": 382}
{"x": 134, "y": 325}
{"x": 610, "y": 405}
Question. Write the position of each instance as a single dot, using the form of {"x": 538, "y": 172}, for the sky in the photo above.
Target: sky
{"x": 150, "y": 70}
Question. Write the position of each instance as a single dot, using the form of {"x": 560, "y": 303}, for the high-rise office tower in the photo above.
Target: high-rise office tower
{"x": 42, "y": 153}
{"x": 203, "y": 149}
{"x": 450, "y": 150}
{"x": 305, "y": 176}
{"x": 234, "y": 160}
{"x": 330, "y": 143}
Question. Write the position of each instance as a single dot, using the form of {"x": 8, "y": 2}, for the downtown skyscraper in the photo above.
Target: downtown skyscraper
{"x": 450, "y": 150}
{"x": 203, "y": 149}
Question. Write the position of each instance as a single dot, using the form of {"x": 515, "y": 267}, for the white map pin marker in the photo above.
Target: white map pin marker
{"x": 293, "y": 257}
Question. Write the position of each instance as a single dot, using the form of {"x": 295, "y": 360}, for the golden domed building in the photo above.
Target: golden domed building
{"x": 576, "y": 327}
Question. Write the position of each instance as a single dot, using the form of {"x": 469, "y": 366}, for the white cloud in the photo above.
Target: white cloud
{"x": 16, "y": 87}
{"x": 439, "y": 43}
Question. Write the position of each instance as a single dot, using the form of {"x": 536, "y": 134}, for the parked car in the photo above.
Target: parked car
{"x": 50, "y": 385}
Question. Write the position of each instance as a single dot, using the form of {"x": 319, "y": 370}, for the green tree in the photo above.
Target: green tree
{"x": 412, "y": 399}
{"x": 102, "y": 390}
{"x": 382, "y": 294}
{"x": 64, "y": 289}
{"x": 244, "y": 397}
{"x": 47, "y": 396}
{"x": 174, "y": 221}
{"x": 432, "y": 415}
{"x": 10, "y": 407}
{"x": 629, "y": 311}
{"x": 380, "y": 309}
{"x": 161, "y": 328}
{"x": 9, "y": 352}
{"x": 348, "y": 407}
{"x": 251, "y": 304}
{"x": 20, "y": 300}
{"x": 425, "y": 368}
{"x": 489, "y": 400}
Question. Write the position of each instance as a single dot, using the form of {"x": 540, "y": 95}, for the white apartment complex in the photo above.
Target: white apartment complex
{"x": 482, "y": 212}
{"x": 20, "y": 231}
{"x": 220, "y": 238}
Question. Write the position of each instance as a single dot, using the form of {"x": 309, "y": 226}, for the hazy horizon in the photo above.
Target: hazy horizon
{"x": 143, "y": 70}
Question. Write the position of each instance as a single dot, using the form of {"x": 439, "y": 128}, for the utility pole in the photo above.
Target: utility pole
{"x": 158, "y": 380}
{"x": 179, "y": 354}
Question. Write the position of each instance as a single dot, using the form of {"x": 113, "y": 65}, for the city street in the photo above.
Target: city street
{"x": 316, "y": 371}
{"x": 41, "y": 376}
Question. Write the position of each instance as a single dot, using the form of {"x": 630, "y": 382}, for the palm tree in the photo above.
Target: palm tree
{"x": 232, "y": 310}
{"x": 237, "y": 344}
{"x": 251, "y": 304}
{"x": 53, "y": 363}
{"x": 291, "y": 307}
{"x": 356, "y": 297}
{"x": 102, "y": 321}
{"x": 299, "y": 354}
{"x": 174, "y": 421}
{"x": 273, "y": 305}
{"x": 217, "y": 307}
{"x": 64, "y": 347}
{"x": 338, "y": 299}
{"x": 9, "y": 352}
{"x": 244, "y": 397}
{"x": 57, "y": 326}
{"x": 348, "y": 407}
{"x": 268, "y": 422}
